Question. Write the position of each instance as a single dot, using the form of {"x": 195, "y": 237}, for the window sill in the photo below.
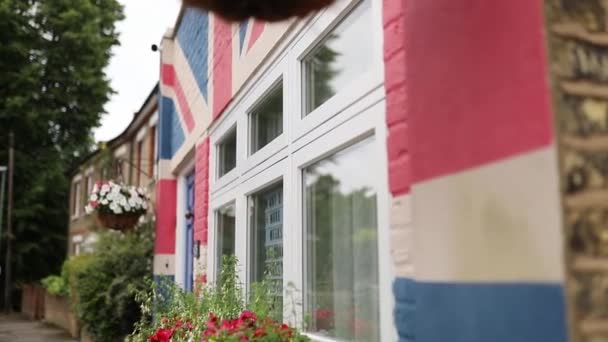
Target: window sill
{"x": 318, "y": 338}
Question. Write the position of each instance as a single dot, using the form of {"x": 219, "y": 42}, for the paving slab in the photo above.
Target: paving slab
{"x": 16, "y": 328}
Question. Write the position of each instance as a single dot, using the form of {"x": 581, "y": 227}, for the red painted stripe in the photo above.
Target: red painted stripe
{"x": 170, "y": 79}
{"x": 201, "y": 189}
{"x": 166, "y": 193}
{"x": 222, "y": 65}
{"x": 477, "y": 92}
{"x": 256, "y": 32}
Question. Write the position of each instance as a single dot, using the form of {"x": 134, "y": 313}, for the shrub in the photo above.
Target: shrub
{"x": 214, "y": 312}
{"x": 55, "y": 285}
{"x": 104, "y": 283}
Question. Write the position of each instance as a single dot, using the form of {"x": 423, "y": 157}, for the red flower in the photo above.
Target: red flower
{"x": 179, "y": 323}
{"x": 162, "y": 335}
{"x": 259, "y": 332}
{"x": 212, "y": 322}
{"x": 248, "y": 315}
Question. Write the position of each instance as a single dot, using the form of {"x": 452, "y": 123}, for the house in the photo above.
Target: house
{"x": 129, "y": 158}
{"x": 394, "y": 162}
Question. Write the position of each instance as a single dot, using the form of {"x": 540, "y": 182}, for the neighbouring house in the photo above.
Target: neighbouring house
{"x": 129, "y": 158}
{"x": 396, "y": 163}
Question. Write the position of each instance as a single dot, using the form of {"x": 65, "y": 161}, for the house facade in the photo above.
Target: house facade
{"x": 391, "y": 166}
{"x": 129, "y": 158}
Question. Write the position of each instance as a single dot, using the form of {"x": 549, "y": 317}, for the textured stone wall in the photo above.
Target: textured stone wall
{"x": 578, "y": 40}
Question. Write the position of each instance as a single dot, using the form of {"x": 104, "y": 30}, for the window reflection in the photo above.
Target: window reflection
{"x": 343, "y": 55}
{"x": 341, "y": 245}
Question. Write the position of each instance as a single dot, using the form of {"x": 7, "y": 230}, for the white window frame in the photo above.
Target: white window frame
{"x": 77, "y": 198}
{"x": 180, "y": 226}
{"x": 257, "y": 95}
{"x": 348, "y": 117}
{"x": 322, "y": 25}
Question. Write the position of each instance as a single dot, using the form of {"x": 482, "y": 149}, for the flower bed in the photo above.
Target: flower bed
{"x": 213, "y": 313}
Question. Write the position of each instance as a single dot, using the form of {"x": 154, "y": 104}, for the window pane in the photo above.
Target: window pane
{"x": 267, "y": 119}
{"x": 227, "y": 153}
{"x": 225, "y": 235}
{"x": 343, "y": 55}
{"x": 266, "y": 217}
{"x": 341, "y": 245}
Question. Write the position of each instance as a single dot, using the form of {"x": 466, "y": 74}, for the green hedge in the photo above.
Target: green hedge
{"x": 103, "y": 284}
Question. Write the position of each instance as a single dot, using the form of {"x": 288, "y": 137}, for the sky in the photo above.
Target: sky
{"x": 134, "y": 68}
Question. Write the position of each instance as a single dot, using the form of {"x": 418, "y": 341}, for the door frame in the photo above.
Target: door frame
{"x": 180, "y": 226}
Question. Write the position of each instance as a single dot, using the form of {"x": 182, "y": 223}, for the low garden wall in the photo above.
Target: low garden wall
{"x": 57, "y": 311}
{"x": 32, "y": 301}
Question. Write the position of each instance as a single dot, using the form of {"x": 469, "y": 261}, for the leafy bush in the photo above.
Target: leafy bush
{"x": 214, "y": 312}
{"x": 104, "y": 283}
{"x": 55, "y": 285}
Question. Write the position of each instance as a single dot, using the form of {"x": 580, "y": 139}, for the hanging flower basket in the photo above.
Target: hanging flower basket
{"x": 266, "y": 10}
{"x": 117, "y": 206}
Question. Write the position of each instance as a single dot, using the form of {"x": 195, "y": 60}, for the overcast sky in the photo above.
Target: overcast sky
{"x": 134, "y": 68}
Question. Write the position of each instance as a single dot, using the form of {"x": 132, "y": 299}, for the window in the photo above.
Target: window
{"x": 341, "y": 245}
{"x": 266, "y": 238}
{"x": 225, "y": 235}
{"x": 140, "y": 148}
{"x": 266, "y": 119}
{"x": 152, "y": 149}
{"x": 339, "y": 58}
{"x": 76, "y": 199}
{"x": 227, "y": 153}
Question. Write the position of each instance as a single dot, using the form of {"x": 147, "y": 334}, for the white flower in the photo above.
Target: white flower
{"x": 145, "y": 206}
{"x": 122, "y": 200}
{"x": 95, "y": 188}
{"x": 127, "y": 207}
{"x": 94, "y": 198}
{"x": 104, "y": 201}
{"x": 132, "y": 202}
{"x": 88, "y": 209}
{"x": 117, "y": 210}
{"x": 105, "y": 188}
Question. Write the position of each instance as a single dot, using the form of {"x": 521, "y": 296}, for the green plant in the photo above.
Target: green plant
{"x": 104, "y": 283}
{"x": 214, "y": 312}
{"x": 55, "y": 285}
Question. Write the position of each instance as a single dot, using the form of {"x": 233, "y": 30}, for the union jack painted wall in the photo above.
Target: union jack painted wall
{"x": 476, "y": 237}
{"x": 204, "y": 63}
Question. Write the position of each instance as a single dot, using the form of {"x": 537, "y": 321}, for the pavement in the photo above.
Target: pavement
{"x": 16, "y": 328}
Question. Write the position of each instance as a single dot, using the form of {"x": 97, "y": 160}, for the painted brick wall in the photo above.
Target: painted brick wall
{"x": 222, "y": 66}
{"x": 193, "y": 37}
{"x": 201, "y": 186}
{"x": 394, "y": 22}
{"x": 467, "y": 103}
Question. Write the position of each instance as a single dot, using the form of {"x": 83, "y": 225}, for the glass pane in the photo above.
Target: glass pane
{"x": 266, "y": 217}
{"x": 267, "y": 119}
{"x": 343, "y": 55}
{"x": 341, "y": 245}
{"x": 225, "y": 235}
{"x": 227, "y": 153}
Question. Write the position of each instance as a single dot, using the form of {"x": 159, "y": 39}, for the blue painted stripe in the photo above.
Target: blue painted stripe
{"x": 465, "y": 312}
{"x": 170, "y": 131}
{"x": 242, "y": 33}
{"x": 193, "y": 37}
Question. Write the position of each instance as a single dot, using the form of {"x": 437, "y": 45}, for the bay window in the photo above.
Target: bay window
{"x": 308, "y": 200}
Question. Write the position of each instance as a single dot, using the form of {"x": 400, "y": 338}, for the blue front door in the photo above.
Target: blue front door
{"x": 189, "y": 240}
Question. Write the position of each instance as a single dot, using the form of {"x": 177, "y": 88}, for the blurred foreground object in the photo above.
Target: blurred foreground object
{"x": 266, "y": 10}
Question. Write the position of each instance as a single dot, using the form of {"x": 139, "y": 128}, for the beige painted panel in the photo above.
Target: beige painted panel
{"x": 164, "y": 264}
{"x": 499, "y": 222}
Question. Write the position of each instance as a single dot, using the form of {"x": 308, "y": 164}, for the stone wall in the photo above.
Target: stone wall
{"x": 578, "y": 40}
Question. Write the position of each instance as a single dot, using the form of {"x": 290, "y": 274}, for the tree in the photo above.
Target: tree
{"x": 52, "y": 91}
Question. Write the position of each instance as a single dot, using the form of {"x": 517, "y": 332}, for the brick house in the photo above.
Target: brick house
{"x": 395, "y": 161}
{"x": 130, "y": 158}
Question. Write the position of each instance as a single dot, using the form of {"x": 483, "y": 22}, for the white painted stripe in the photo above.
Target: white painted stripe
{"x": 499, "y": 222}
{"x": 402, "y": 235}
{"x": 164, "y": 264}
{"x": 164, "y": 169}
